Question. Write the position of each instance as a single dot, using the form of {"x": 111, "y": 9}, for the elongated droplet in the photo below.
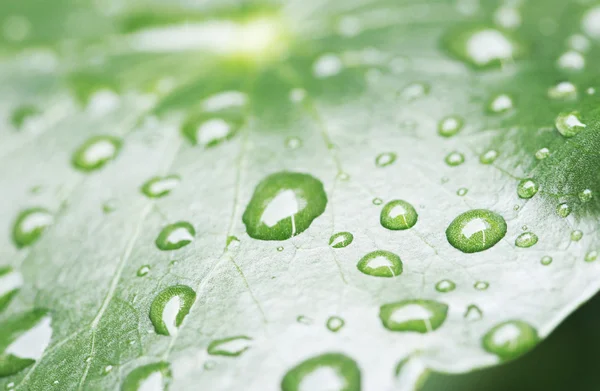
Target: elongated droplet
{"x": 209, "y": 131}
{"x": 511, "y": 339}
{"x": 542, "y": 153}
{"x": 326, "y": 372}
{"x": 96, "y": 152}
{"x": 526, "y": 239}
{"x": 481, "y": 285}
{"x": 10, "y": 282}
{"x": 29, "y": 226}
{"x": 175, "y": 236}
{"x": 284, "y": 205}
{"x": 398, "y": 215}
{"x": 527, "y": 188}
{"x": 421, "y": 316}
{"x": 500, "y": 104}
{"x": 150, "y": 377}
{"x": 170, "y": 307}
{"x": 224, "y": 100}
{"x": 591, "y": 256}
{"x": 585, "y": 195}
{"x": 341, "y": 239}
{"x": 476, "y": 230}
{"x": 385, "y": 159}
{"x": 380, "y": 263}
{"x": 445, "y": 286}
{"x": 24, "y": 114}
{"x": 569, "y": 124}
{"x": 160, "y": 186}
{"x": 232, "y": 346}
{"x": 335, "y": 323}
{"x": 488, "y": 157}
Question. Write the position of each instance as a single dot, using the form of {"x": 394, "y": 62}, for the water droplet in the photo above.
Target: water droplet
{"x": 421, "y": 316}
{"x": 29, "y": 226}
{"x": 284, "y": 205}
{"x": 10, "y": 385}
{"x": 542, "y": 153}
{"x": 481, "y": 285}
{"x": 481, "y": 47}
{"x": 335, "y": 323}
{"x": 210, "y": 365}
{"x": 563, "y": 209}
{"x": 231, "y": 346}
{"x": 590, "y": 22}
{"x": 22, "y": 115}
{"x": 341, "y": 239}
{"x": 385, "y": 159}
{"x": 586, "y": 195}
{"x": 170, "y": 307}
{"x": 329, "y": 371}
{"x": 107, "y": 369}
{"x": 563, "y": 90}
{"x": 569, "y": 124}
{"x": 210, "y": 131}
{"x": 500, "y": 104}
{"x": 445, "y": 286}
{"x": 591, "y": 256}
{"x": 576, "y": 235}
{"x": 450, "y": 126}
{"x": 511, "y": 339}
{"x": 377, "y": 201}
{"x": 109, "y": 206}
{"x": 462, "y": 191}
{"x": 414, "y": 91}
{"x": 454, "y": 159}
{"x": 327, "y": 65}
{"x": 153, "y": 377}
{"x": 224, "y": 100}
{"x": 293, "y": 142}
{"x": 160, "y": 186}
{"x": 380, "y": 263}
{"x": 96, "y": 152}
{"x": 526, "y": 239}
{"x": 175, "y": 236}
{"x": 297, "y": 95}
{"x": 142, "y": 271}
{"x": 10, "y": 283}
{"x": 280, "y": 248}
{"x": 476, "y": 230}
{"x": 342, "y": 176}
{"x": 349, "y": 26}
{"x": 546, "y": 260}
{"x": 571, "y": 60}
{"x": 488, "y": 157}
{"x": 473, "y": 313}
{"x": 304, "y": 319}
{"x": 527, "y": 188}
{"x": 398, "y": 215}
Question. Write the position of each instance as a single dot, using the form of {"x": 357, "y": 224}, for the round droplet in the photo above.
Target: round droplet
{"x": 29, "y": 226}
{"x": 385, "y": 159}
{"x": 329, "y": 371}
{"x": 170, "y": 307}
{"x": 335, "y": 323}
{"x": 563, "y": 209}
{"x": 569, "y": 124}
{"x": 109, "y": 206}
{"x": 546, "y": 260}
{"x": 576, "y": 235}
{"x": 421, "y": 316}
{"x": 144, "y": 270}
{"x": 96, "y": 152}
{"x": 175, "y": 236}
{"x": 488, "y": 157}
{"x": 462, "y": 191}
{"x": 380, "y": 263}
{"x": 476, "y": 230}
{"x": 160, "y": 186}
{"x": 341, "y": 239}
{"x": 231, "y": 346}
{"x": 293, "y": 142}
{"x": 148, "y": 377}
{"x": 481, "y": 285}
{"x": 445, "y": 286}
{"x": 563, "y": 90}
{"x": 208, "y": 130}
{"x": 527, "y": 188}
{"x": 542, "y": 154}
{"x": 511, "y": 339}
{"x": 526, "y": 239}
{"x": 280, "y": 248}
{"x": 377, "y": 201}
{"x": 591, "y": 256}
{"x": 585, "y": 196}
{"x": 450, "y": 126}
{"x": 454, "y": 159}
{"x": 284, "y": 205}
{"x": 500, "y": 104}
{"x": 398, "y": 215}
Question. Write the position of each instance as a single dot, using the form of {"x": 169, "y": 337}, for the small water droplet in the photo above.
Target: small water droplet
{"x": 481, "y": 47}
{"x": 501, "y": 104}
{"x": 29, "y": 226}
{"x": 546, "y": 260}
{"x": 481, "y": 285}
{"x": 10, "y": 385}
{"x": 462, "y": 191}
{"x": 109, "y": 206}
{"x": 585, "y": 196}
{"x": 280, "y": 248}
{"x": 143, "y": 270}
{"x": 327, "y": 65}
{"x": 335, "y": 323}
{"x": 473, "y": 313}
{"x": 591, "y": 256}
{"x": 297, "y": 95}
{"x": 385, "y": 159}
{"x": 334, "y": 371}
{"x": 398, "y": 215}
{"x": 563, "y": 90}
{"x": 160, "y": 186}
{"x": 445, "y": 286}
{"x": 293, "y": 142}
{"x": 153, "y": 377}
{"x": 526, "y": 239}
{"x": 341, "y": 239}
{"x": 563, "y": 209}
{"x": 542, "y": 153}
{"x": 527, "y": 188}
{"x": 571, "y": 60}
{"x": 175, "y": 236}
{"x": 476, "y": 230}
{"x": 421, "y": 316}
{"x": 342, "y": 176}
{"x": 304, "y": 319}
{"x": 231, "y": 346}
{"x": 210, "y": 365}
{"x": 454, "y": 159}
{"x": 96, "y": 152}
{"x": 414, "y": 91}
{"x": 107, "y": 369}
{"x": 569, "y": 124}
{"x": 170, "y": 307}
{"x": 377, "y": 201}
{"x": 576, "y": 235}
{"x": 510, "y": 339}
{"x": 380, "y": 263}
{"x": 488, "y": 157}
{"x": 450, "y": 126}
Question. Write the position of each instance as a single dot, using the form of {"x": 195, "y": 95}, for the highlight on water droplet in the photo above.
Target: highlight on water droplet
{"x": 385, "y": 159}
{"x": 29, "y": 226}
{"x": 377, "y": 201}
{"x": 585, "y": 195}
{"x": 335, "y": 323}
{"x": 488, "y": 157}
{"x": 526, "y": 239}
{"x": 445, "y": 286}
{"x": 510, "y": 339}
{"x": 398, "y": 215}
{"x": 160, "y": 186}
{"x": 542, "y": 153}
{"x": 231, "y": 346}
{"x": 170, "y": 307}
{"x": 563, "y": 209}
{"x": 576, "y": 235}
{"x": 473, "y": 313}
{"x": 284, "y": 205}
{"x": 591, "y": 256}
{"x": 421, "y": 316}
{"x": 462, "y": 191}
{"x": 454, "y": 159}
{"x": 380, "y": 263}
{"x": 481, "y": 285}
{"x": 341, "y": 239}
{"x": 10, "y": 283}
{"x": 569, "y": 123}
{"x": 175, "y": 236}
{"x": 96, "y": 152}
{"x": 143, "y": 270}
{"x": 500, "y": 104}
{"x": 476, "y": 230}
{"x": 150, "y": 377}
{"x": 329, "y": 371}
{"x": 450, "y": 126}
{"x": 209, "y": 130}
{"x": 571, "y": 60}
{"x": 527, "y": 188}
{"x": 303, "y": 319}
{"x": 546, "y": 260}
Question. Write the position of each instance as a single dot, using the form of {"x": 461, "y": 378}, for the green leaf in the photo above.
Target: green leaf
{"x": 287, "y": 195}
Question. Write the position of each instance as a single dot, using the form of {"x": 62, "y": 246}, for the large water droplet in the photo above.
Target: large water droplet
{"x": 175, "y": 236}
{"x": 569, "y": 124}
{"x": 488, "y": 157}
{"x": 476, "y": 230}
{"x": 380, "y": 263}
{"x": 398, "y": 215}
{"x": 326, "y": 372}
{"x": 542, "y": 153}
{"x": 421, "y": 316}
{"x": 160, "y": 186}
{"x": 576, "y": 235}
{"x": 511, "y": 339}
{"x": 284, "y": 205}
{"x": 170, "y": 307}
{"x": 482, "y": 47}
{"x": 150, "y": 377}
{"x": 96, "y": 152}
{"x": 231, "y": 346}
{"x": 527, "y": 188}
{"x": 29, "y": 226}
{"x": 546, "y": 260}
{"x": 526, "y": 239}
{"x": 341, "y": 239}
{"x": 563, "y": 209}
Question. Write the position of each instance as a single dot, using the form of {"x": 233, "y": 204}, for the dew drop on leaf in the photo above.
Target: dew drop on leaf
{"x": 96, "y": 152}
{"x": 160, "y": 186}
{"x": 153, "y": 377}
{"x": 398, "y": 215}
{"x": 385, "y": 159}
{"x": 450, "y": 126}
{"x": 500, "y": 104}
{"x": 542, "y": 153}
{"x": 585, "y": 196}
{"x": 576, "y": 235}
{"x": 591, "y": 256}
{"x": 476, "y": 230}
{"x": 569, "y": 124}
{"x": 481, "y": 285}
{"x": 380, "y": 263}
{"x": 231, "y": 346}
{"x": 511, "y": 339}
{"x": 563, "y": 209}
{"x": 280, "y": 248}
{"x": 462, "y": 191}
{"x": 29, "y": 226}
{"x": 210, "y": 130}
{"x": 329, "y": 371}
{"x": 335, "y": 323}
{"x": 170, "y": 307}
{"x": 454, "y": 159}
{"x": 341, "y": 239}
{"x": 526, "y": 239}
{"x": 175, "y": 236}
{"x": 143, "y": 270}
{"x": 414, "y": 91}
{"x": 107, "y": 369}
{"x": 563, "y": 90}
{"x": 284, "y": 205}
{"x": 527, "y": 188}
{"x": 421, "y": 316}
{"x": 488, "y": 157}
{"x": 109, "y": 206}
{"x": 445, "y": 286}
{"x": 377, "y": 201}
{"x": 481, "y": 47}
{"x": 546, "y": 260}
{"x": 571, "y": 60}
{"x": 473, "y": 313}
